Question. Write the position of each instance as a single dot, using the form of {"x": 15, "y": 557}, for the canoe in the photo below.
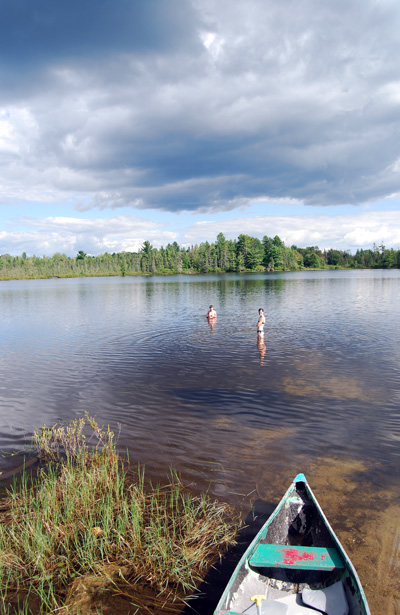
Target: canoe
{"x": 295, "y": 565}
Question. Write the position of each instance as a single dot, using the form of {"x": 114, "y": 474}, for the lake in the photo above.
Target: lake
{"x": 320, "y": 394}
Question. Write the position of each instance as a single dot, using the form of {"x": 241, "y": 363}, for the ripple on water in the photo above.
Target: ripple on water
{"x": 141, "y": 353}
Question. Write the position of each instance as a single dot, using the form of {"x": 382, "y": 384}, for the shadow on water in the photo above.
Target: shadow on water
{"x": 210, "y": 590}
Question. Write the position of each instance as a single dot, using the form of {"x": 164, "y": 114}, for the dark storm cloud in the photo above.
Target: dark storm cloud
{"x": 41, "y": 31}
{"x": 38, "y": 36}
{"x": 199, "y": 105}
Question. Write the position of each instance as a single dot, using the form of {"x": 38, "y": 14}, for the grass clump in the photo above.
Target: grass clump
{"x": 84, "y": 527}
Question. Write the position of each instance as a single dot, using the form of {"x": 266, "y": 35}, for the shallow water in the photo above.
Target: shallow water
{"x": 320, "y": 394}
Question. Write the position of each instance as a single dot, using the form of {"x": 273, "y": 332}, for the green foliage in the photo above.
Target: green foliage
{"x": 277, "y": 257}
{"x": 147, "y": 248}
{"x": 84, "y": 526}
{"x": 250, "y": 252}
{"x": 313, "y": 258}
{"x": 244, "y": 254}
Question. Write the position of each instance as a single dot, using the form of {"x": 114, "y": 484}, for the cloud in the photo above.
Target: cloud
{"x": 45, "y": 237}
{"x": 345, "y": 232}
{"x": 199, "y": 105}
{"x": 86, "y": 30}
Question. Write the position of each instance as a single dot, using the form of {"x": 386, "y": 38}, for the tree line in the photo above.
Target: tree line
{"x": 224, "y": 255}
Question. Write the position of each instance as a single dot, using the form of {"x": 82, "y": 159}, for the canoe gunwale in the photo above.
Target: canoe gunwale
{"x": 298, "y": 491}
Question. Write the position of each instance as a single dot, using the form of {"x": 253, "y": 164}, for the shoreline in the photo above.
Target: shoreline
{"x": 190, "y": 273}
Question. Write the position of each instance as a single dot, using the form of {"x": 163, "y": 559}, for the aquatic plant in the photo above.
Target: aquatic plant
{"x": 85, "y": 526}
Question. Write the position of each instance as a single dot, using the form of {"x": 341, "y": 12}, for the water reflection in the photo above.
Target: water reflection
{"x": 329, "y": 387}
{"x": 211, "y": 323}
{"x": 333, "y": 355}
{"x": 262, "y": 348}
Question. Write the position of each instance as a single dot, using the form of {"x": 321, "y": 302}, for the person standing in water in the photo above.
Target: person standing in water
{"x": 211, "y": 313}
{"x": 260, "y": 323}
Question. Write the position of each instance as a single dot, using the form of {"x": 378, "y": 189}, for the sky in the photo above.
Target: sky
{"x": 124, "y": 121}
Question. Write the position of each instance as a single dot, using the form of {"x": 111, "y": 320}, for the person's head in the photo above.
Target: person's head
{"x": 261, "y": 311}
{"x": 211, "y": 307}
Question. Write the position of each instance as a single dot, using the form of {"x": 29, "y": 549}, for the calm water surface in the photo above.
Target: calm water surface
{"x": 320, "y": 395}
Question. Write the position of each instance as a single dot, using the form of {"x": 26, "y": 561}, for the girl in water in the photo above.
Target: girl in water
{"x": 260, "y": 323}
{"x": 211, "y": 312}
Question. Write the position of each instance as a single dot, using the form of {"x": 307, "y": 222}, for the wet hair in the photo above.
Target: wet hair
{"x": 260, "y": 310}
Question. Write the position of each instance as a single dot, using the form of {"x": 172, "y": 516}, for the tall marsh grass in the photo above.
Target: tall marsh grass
{"x": 84, "y": 522}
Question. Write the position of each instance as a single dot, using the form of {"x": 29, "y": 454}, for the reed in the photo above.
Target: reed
{"x": 84, "y": 521}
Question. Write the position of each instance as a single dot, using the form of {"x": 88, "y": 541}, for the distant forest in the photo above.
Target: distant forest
{"x": 224, "y": 255}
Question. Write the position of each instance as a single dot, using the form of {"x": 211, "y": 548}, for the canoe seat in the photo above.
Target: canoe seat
{"x": 331, "y": 600}
{"x": 288, "y": 556}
